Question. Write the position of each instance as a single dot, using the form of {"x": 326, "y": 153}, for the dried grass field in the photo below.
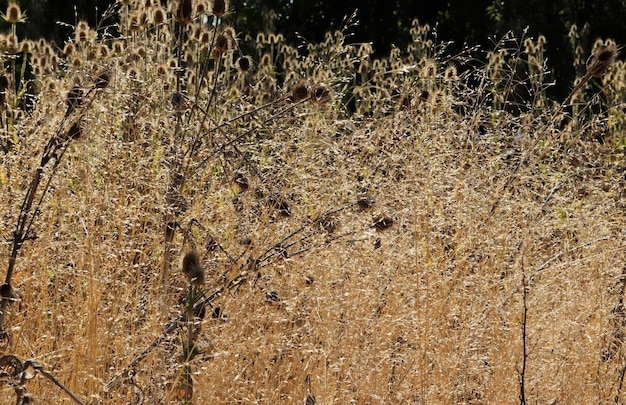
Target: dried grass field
{"x": 184, "y": 222}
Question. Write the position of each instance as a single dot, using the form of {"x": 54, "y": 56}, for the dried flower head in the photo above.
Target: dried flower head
{"x": 222, "y": 43}
{"x": 245, "y": 63}
{"x": 219, "y": 7}
{"x": 299, "y": 92}
{"x": 14, "y": 14}
{"x": 183, "y": 11}
{"x": 192, "y": 268}
{"x": 159, "y": 16}
{"x": 601, "y": 60}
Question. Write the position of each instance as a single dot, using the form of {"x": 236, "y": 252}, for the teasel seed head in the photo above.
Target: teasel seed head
{"x": 299, "y": 92}
{"x": 159, "y": 16}
{"x": 192, "y": 268}
{"x": 202, "y": 7}
{"x": 600, "y": 62}
{"x": 219, "y": 8}
{"x": 222, "y": 43}
{"x": 14, "y": 14}
{"x": 183, "y": 11}
{"x": 245, "y": 63}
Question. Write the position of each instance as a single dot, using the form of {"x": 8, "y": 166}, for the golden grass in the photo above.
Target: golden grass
{"x": 427, "y": 311}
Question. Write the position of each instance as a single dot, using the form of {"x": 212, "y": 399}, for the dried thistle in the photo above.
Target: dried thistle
{"x": 218, "y": 8}
{"x": 14, "y": 14}
{"x": 299, "y": 92}
{"x": 183, "y": 11}
{"x": 192, "y": 268}
{"x": 244, "y": 63}
{"x": 600, "y": 62}
{"x": 222, "y": 43}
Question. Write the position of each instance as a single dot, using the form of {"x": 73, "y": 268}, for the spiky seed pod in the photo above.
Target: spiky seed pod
{"x": 218, "y": 8}
{"x": 221, "y": 43}
{"x": 266, "y": 60}
{"x": 192, "y": 268}
{"x": 25, "y": 46}
{"x": 204, "y": 37}
{"x": 14, "y": 14}
{"x": 158, "y": 15}
{"x": 300, "y": 92}
{"x": 118, "y": 47}
{"x": 77, "y": 61}
{"x": 183, "y": 11}
{"x": 244, "y": 63}
{"x": 69, "y": 48}
{"x": 202, "y": 7}
{"x": 601, "y": 61}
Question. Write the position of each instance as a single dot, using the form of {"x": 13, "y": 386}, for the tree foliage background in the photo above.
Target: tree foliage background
{"x": 386, "y": 23}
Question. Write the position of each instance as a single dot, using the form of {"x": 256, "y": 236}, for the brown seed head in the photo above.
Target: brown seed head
{"x": 218, "y": 8}
{"x": 222, "y": 44}
{"x": 192, "y": 268}
{"x": 158, "y": 15}
{"x": 244, "y": 63}
{"x": 14, "y": 14}
{"x": 190, "y": 260}
{"x": 601, "y": 61}
{"x": 300, "y": 92}
{"x": 183, "y": 11}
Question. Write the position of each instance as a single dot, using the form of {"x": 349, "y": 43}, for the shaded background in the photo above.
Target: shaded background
{"x": 385, "y": 23}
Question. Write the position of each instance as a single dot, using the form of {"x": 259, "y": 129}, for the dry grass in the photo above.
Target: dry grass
{"x": 326, "y": 308}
